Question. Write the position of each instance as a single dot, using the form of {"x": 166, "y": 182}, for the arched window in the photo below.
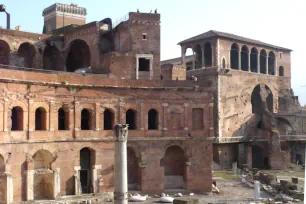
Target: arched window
{"x": 52, "y": 59}
{"x": 63, "y": 119}
{"x": 131, "y": 119}
{"x": 86, "y": 120}
{"x": 189, "y": 55}
{"x": 234, "y": 56}
{"x": 223, "y": 63}
{"x": 271, "y": 63}
{"x": 40, "y": 119}
{"x": 4, "y": 53}
{"x": 244, "y": 58}
{"x": 198, "y": 57}
{"x": 254, "y": 60}
{"x": 17, "y": 118}
{"x": 78, "y": 56}
{"x": 153, "y": 120}
{"x": 208, "y": 55}
{"x": 27, "y": 52}
{"x": 108, "y": 119}
{"x": 263, "y": 62}
{"x": 281, "y": 71}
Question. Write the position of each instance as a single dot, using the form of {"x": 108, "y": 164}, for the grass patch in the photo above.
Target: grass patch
{"x": 224, "y": 174}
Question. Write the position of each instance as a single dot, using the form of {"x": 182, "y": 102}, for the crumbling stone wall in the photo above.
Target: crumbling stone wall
{"x": 73, "y": 92}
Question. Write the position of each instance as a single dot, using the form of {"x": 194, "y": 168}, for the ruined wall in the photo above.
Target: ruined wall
{"x": 235, "y": 105}
{"x": 54, "y": 90}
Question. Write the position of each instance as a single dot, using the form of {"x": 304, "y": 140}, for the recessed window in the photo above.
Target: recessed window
{"x": 144, "y": 64}
{"x": 280, "y": 55}
{"x": 144, "y": 36}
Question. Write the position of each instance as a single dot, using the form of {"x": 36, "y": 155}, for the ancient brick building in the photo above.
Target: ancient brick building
{"x": 56, "y": 125}
{"x": 258, "y": 121}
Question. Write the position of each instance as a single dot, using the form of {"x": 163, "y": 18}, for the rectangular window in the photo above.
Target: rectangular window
{"x": 144, "y": 36}
{"x": 144, "y": 64}
{"x": 280, "y": 55}
{"x": 197, "y": 119}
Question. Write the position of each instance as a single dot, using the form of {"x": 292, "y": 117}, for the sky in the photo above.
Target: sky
{"x": 278, "y": 22}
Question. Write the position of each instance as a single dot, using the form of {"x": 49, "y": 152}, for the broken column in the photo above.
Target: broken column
{"x": 56, "y": 183}
{"x": 120, "y": 194}
{"x": 30, "y": 185}
{"x": 77, "y": 182}
{"x": 256, "y": 190}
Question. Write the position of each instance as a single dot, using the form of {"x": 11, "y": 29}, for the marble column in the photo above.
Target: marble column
{"x": 165, "y": 114}
{"x": 9, "y": 188}
{"x": 95, "y": 180}
{"x": 121, "y": 184}
{"x": 56, "y": 182}
{"x": 203, "y": 58}
{"x": 249, "y": 62}
{"x": 77, "y": 182}
{"x": 186, "y": 105}
{"x": 267, "y": 65}
{"x": 239, "y": 60}
{"x": 30, "y": 185}
{"x": 258, "y": 63}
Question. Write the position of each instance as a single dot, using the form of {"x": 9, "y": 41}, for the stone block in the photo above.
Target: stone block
{"x": 185, "y": 201}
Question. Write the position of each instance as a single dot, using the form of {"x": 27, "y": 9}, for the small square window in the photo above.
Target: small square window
{"x": 280, "y": 55}
{"x": 144, "y": 36}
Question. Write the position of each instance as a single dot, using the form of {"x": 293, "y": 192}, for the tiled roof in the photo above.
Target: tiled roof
{"x": 213, "y": 33}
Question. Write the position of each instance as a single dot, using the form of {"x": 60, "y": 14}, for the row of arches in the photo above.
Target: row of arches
{"x": 252, "y": 60}
{"x": 87, "y": 118}
{"x": 78, "y": 56}
{"x": 173, "y": 162}
{"x": 201, "y": 55}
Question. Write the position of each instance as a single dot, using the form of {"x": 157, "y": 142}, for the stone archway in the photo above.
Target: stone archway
{"x": 43, "y": 175}
{"x": 174, "y": 163}
{"x": 4, "y": 53}
{"x": 256, "y": 99}
{"x": 133, "y": 170}
{"x": 79, "y": 56}
{"x": 87, "y": 161}
{"x": 27, "y": 52}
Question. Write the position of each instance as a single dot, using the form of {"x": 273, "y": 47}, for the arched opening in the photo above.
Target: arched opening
{"x": 208, "y": 55}
{"x": 27, "y": 52}
{"x": 234, "y": 56}
{"x": 189, "y": 55}
{"x": 283, "y": 126}
{"x": 271, "y": 63}
{"x": 87, "y": 161}
{"x": 244, "y": 58}
{"x": 153, "y": 119}
{"x": 254, "y": 60}
{"x": 4, "y": 53}
{"x": 78, "y": 56}
{"x": 108, "y": 119}
{"x": 40, "y": 119}
{"x": 198, "y": 57}
{"x": 2, "y": 164}
{"x": 281, "y": 71}
{"x": 86, "y": 119}
{"x": 52, "y": 59}
{"x": 130, "y": 118}
{"x": 43, "y": 181}
{"x": 223, "y": 63}
{"x": 257, "y": 107}
{"x": 63, "y": 119}
{"x": 259, "y": 159}
{"x": 174, "y": 163}
{"x": 133, "y": 170}
{"x": 263, "y": 62}
{"x": 17, "y": 118}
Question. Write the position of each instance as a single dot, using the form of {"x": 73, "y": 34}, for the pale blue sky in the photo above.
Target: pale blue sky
{"x": 279, "y": 22}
